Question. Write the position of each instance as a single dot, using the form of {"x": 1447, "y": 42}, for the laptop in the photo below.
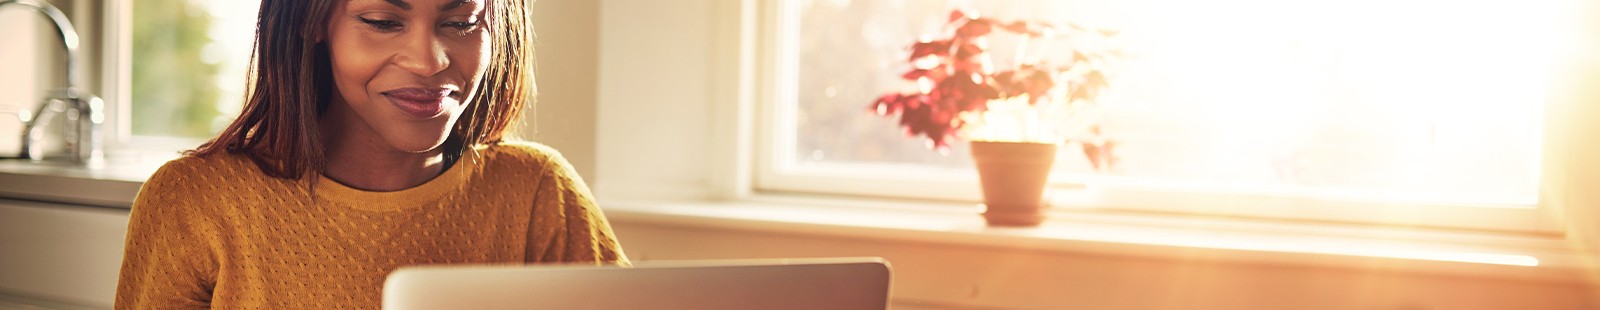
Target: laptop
{"x": 810, "y": 283}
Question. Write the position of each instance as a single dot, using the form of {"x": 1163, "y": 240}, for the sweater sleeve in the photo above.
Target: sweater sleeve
{"x": 567, "y": 224}
{"x": 166, "y": 264}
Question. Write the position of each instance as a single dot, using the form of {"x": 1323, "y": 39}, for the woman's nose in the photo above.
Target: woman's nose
{"x": 423, "y": 54}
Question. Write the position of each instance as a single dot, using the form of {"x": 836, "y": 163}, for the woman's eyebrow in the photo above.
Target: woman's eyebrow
{"x": 446, "y": 7}
{"x": 453, "y": 5}
{"x": 400, "y": 3}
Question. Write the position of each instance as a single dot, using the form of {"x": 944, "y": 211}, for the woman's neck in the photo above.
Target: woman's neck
{"x": 357, "y": 157}
{"x": 383, "y": 172}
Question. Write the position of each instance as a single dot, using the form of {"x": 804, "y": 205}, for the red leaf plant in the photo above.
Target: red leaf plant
{"x": 957, "y": 84}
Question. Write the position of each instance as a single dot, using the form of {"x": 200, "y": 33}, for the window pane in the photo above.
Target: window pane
{"x": 1436, "y": 101}
{"x": 189, "y": 59}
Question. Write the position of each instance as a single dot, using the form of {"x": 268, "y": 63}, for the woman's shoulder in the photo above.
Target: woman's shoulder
{"x": 205, "y": 169}
{"x": 525, "y": 159}
{"x": 526, "y": 153}
{"x": 201, "y": 180}
{"x": 210, "y": 163}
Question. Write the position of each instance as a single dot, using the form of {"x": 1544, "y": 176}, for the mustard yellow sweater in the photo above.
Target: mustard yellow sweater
{"x": 216, "y": 232}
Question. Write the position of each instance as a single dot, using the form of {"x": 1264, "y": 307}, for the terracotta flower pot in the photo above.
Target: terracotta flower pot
{"x": 1013, "y": 175}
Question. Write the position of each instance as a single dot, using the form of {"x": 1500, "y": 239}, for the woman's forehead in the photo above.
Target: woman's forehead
{"x": 441, "y": 5}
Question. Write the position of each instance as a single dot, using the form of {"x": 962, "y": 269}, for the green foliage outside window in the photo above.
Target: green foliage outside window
{"x": 174, "y": 88}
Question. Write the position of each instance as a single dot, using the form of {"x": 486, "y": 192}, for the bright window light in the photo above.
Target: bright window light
{"x": 1395, "y": 100}
{"x": 188, "y": 64}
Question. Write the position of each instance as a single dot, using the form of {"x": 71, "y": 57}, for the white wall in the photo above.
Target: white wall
{"x": 568, "y": 55}
{"x": 28, "y": 68}
{"x": 655, "y": 96}
{"x": 21, "y": 65}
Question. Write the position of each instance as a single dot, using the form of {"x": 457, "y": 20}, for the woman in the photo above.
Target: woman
{"x": 373, "y": 138}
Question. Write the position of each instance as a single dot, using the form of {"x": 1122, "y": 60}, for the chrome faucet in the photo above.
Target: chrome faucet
{"x": 83, "y": 111}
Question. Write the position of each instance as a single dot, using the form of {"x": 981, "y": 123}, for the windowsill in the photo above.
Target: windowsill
{"x": 1367, "y": 248}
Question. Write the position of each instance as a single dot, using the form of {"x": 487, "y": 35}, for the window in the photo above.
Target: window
{"x": 180, "y": 68}
{"x": 1298, "y": 109}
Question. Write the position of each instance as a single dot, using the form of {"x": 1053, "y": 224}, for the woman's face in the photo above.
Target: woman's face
{"x": 406, "y": 68}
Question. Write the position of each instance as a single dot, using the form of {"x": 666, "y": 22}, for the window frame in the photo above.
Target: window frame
{"x": 776, "y": 96}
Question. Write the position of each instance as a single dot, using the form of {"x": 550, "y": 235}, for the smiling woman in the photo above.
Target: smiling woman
{"x": 374, "y": 137}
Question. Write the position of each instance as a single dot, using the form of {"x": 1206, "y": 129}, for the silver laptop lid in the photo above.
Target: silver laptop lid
{"x": 811, "y": 283}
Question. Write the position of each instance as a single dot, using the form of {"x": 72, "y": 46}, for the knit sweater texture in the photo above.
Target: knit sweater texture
{"x": 217, "y": 232}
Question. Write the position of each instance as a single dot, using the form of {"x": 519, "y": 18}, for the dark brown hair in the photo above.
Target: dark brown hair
{"x": 291, "y": 83}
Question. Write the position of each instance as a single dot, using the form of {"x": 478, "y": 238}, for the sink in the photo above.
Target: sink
{"x": 81, "y": 113}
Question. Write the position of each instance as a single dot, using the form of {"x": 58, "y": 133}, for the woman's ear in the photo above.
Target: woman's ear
{"x": 320, "y": 33}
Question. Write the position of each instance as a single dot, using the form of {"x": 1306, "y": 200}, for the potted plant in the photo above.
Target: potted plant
{"x": 1016, "y": 117}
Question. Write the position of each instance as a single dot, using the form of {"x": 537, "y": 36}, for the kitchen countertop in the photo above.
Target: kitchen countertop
{"x": 112, "y": 182}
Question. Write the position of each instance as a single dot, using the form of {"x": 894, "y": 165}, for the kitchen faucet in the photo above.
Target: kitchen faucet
{"x": 83, "y": 111}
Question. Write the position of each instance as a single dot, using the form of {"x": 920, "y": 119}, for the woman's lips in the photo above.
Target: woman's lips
{"x": 422, "y": 103}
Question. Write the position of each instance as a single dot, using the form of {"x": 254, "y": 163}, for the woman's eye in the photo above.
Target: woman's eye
{"x": 384, "y": 25}
{"x": 462, "y": 26}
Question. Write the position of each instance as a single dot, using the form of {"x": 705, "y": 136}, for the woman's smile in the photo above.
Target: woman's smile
{"x": 422, "y": 103}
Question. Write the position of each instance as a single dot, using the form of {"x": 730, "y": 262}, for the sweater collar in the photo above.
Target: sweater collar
{"x": 428, "y": 192}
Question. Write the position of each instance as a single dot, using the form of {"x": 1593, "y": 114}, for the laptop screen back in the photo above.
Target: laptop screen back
{"x": 826, "y": 283}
